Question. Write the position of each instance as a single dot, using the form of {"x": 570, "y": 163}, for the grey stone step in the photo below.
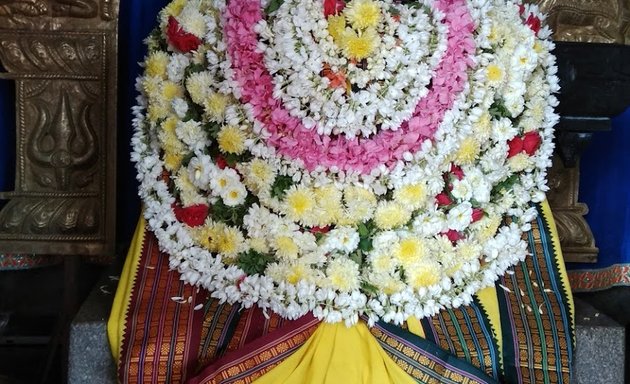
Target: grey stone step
{"x": 600, "y": 350}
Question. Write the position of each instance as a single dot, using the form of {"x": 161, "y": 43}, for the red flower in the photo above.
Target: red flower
{"x": 534, "y": 23}
{"x": 521, "y": 9}
{"x": 320, "y": 229}
{"x": 221, "y": 162}
{"x": 333, "y": 7}
{"x": 531, "y": 142}
{"x": 193, "y": 216}
{"x": 443, "y": 199}
{"x": 180, "y": 39}
{"x": 457, "y": 171}
{"x": 453, "y": 235}
{"x": 516, "y": 147}
{"x": 477, "y": 214}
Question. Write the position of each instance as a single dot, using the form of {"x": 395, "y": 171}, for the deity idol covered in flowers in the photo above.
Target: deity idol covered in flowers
{"x": 360, "y": 158}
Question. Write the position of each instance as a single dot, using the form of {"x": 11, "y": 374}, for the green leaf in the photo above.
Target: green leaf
{"x": 505, "y": 185}
{"x": 365, "y": 244}
{"x": 357, "y": 257}
{"x": 367, "y": 287}
{"x": 231, "y": 215}
{"x": 280, "y": 186}
{"x": 253, "y": 262}
{"x": 498, "y": 110}
{"x": 212, "y": 129}
{"x": 193, "y": 113}
{"x": 186, "y": 159}
{"x": 363, "y": 230}
{"x": 233, "y": 159}
{"x": 194, "y": 68}
{"x": 273, "y": 6}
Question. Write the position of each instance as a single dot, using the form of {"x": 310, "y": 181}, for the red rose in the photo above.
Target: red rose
{"x": 453, "y": 235}
{"x": 333, "y": 7}
{"x": 477, "y": 214}
{"x": 220, "y": 162}
{"x": 457, "y": 171}
{"x": 531, "y": 142}
{"x": 324, "y": 229}
{"x": 180, "y": 39}
{"x": 534, "y": 23}
{"x": 516, "y": 147}
{"x": 193, "y": 216}
{"x": 443, "y": 199}
{"x": 521, "y": 9}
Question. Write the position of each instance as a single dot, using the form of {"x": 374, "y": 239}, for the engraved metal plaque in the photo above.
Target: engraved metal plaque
{"x": 62, "y": 55}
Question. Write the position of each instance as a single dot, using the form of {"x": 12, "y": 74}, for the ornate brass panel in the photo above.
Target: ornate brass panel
{"x": 592, "y": 21}
{"x": 62, "y": 56}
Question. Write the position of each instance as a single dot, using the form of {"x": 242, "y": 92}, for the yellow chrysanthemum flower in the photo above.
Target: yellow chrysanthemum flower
{"x": 359, "y": 46}
{"x": 258, "y": 175}
{"x": 215, "y": 105}
{"x": 489, "y": 228}
{"x": 192, "y": 21}
{"x": 201, "y": 235}
{"x": 174, "y": 8}
{"x": 258, "y": 244}
{"x": 360, "y": 205}
{"x": 187, "y": 191}
{"x": 231, "y": 140}
{"x": 520, "y": 162}
{"x": 156, "y": 111}
{"x": 423, "y": 275}
{"x": 382, "y": 263}
{"x": 156, "y": 63}
{"x": 391, "y": 286}
{"x": 329, "y": 205}
{"x": 229, "y": 242}
{"x": 171, "y": 90}
{"x": 390, "y": 215}
{"x": 343, "y": 275}
{"x": 296, "y": 273}
{"x": 336, "y": 28}
{"x": 468, "y": 151}
{"x": 169, "y": 126}
{"x": 495, "y": 74}
{"x": 198, "y": 86}
{"x": 172, "y": 161}
{"x": 468, "y": 251}
{"x": 483, "y": 127}
{"x": 299, "y": 203}
{"x": 286, "y": 247}
{"x": 411, "y": 195}
{"x": 152, "y": 87}
{"x": 362, "y": 14}
{"x": 409, "y": 251}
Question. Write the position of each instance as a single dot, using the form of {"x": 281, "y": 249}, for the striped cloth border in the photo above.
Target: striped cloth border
{"x": 466, "y": 333}
{"x": 425, "y": 361}
{"x": 255, "y": 359}
{"x": 537, "y": 328}
{"x": 161, "y": 336}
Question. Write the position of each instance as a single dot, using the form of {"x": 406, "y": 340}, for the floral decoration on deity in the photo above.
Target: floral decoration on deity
{"x": 373, "y": 158}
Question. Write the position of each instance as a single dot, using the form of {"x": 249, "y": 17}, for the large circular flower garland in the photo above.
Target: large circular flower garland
{"x": 361, "y": 157}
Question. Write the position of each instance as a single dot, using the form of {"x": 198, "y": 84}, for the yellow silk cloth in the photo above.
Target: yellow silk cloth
{"x": 122, "y": 299}
{"x": 337, "y": 354}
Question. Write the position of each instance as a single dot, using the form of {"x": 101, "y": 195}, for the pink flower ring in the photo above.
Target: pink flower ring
{"x": 293, "y": 140}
